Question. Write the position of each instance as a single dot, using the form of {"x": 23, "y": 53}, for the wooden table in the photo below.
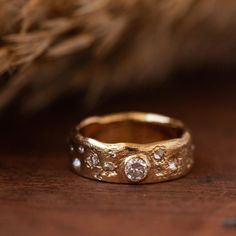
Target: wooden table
{"x": 40, "y": 195}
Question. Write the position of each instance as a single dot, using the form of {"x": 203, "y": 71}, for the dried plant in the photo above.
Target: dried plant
{"x": 52, "y": 48}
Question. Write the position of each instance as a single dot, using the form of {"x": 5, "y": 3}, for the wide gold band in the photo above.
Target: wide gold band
{"x": 131, "y": 147}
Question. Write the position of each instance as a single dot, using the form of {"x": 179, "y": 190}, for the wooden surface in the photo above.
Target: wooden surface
{"x": 40, "y": 195}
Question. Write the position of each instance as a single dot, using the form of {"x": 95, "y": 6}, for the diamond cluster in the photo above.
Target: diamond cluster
{"x": 136, "y": 167}
{"x": 158, "y": 156}
{"x": 101, "y": 168}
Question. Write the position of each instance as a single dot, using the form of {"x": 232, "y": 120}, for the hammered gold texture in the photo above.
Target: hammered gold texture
{"x": 106, "y": 161}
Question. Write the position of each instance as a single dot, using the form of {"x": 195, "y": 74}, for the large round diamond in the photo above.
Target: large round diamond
{"x": 136, "y": 168}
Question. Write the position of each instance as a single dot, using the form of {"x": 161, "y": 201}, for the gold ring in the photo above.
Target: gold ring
{"x": 131, "y": 147}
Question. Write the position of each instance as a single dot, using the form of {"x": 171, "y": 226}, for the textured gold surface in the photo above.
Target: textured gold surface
{"x": 168, "y": 158}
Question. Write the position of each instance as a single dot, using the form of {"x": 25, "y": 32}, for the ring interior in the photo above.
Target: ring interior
{"x": 131, "y": 131}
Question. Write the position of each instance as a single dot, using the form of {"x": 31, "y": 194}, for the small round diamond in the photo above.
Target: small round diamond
{"x": 136, "y": 169}
{"x": 76, "y": 163}
{"x": 72, "y": 148}
{"x": 81, "y": 149}
{"x": 159, "y": 154}
{"x": 92, "y": 160}
{"x": 172, "y": 166}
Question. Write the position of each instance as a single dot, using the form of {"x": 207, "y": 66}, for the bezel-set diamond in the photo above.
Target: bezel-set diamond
{"x": 136, "y": 168}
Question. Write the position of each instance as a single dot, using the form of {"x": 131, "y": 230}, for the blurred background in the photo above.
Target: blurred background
{"x": 64, "y": 60}
{"x": 98, "y": 48}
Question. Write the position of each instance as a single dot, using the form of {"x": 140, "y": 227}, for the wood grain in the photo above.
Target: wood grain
{"x": 40, "y": 195}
